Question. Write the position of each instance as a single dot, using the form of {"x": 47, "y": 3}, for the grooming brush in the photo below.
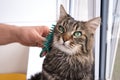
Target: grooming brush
{"x": 47, "y": 44}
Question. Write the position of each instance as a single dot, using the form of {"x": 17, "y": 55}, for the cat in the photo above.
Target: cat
{"x": 71, "y": 55}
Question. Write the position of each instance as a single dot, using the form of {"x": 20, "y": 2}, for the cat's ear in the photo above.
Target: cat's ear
{"x": 93, "y": 23}
{"x": 63, "y": 13}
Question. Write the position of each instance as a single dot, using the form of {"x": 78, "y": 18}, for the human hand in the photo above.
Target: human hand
{"x": 32, "y": 36}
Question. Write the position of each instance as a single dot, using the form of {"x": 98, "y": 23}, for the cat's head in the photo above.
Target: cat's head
{"x": 72, "y": 36}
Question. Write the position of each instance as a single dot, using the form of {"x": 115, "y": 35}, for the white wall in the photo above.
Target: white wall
{"x": 14, "y": 57}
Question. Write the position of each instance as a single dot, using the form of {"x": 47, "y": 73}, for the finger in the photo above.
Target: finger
{"x": 46, "y": 31}
{"x": 37, "y": 44}
{"x": 40, "y": 45}
{"x": 40, "y": 41}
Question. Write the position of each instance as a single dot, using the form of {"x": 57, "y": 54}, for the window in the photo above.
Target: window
{"x": 113, "y": 40}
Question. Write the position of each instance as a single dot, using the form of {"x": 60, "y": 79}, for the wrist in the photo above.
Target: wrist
{"x": 15, "y": 32}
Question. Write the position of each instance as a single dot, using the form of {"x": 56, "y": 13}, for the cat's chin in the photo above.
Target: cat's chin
{"x": 66, "y": 49}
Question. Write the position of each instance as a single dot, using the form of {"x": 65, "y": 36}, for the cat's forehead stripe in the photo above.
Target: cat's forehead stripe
{"x": 63, "y": 22}
{"x": 76, "y": 25}
{"x": 71, "y": 24}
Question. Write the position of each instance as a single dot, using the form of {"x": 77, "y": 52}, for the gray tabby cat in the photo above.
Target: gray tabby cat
{"x": 71, "y": 56}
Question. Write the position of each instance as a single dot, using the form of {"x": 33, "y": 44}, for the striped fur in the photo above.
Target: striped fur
{"x": 71, "y": 56}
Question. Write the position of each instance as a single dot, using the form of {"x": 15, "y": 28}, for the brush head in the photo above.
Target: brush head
{"x": 47, "y": 44}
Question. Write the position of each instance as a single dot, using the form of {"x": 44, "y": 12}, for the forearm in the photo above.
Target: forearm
{"x": 8, "y": 34}
{"x": 24, "y": 35}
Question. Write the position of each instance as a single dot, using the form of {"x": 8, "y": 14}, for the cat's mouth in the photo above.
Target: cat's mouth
{"x": 65, "y": 46}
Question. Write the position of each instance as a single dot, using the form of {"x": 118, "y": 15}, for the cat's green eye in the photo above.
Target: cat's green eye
{"x": 61, "y": 29}
{"x": 77, "y": 34}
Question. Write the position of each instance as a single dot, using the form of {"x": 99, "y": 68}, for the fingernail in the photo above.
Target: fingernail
{"x": 44, "y": 39}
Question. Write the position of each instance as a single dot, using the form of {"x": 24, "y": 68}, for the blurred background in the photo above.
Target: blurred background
{"x": 16, "y": 58}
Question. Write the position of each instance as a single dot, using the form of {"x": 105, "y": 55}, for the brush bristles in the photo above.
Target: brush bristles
{"x": 48, "y": 42}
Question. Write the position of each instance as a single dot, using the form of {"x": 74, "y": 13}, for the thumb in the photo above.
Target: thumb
{"x": 42, "y": 39}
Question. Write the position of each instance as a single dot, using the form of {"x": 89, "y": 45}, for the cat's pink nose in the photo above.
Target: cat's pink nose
{"x": 66, "y": 37}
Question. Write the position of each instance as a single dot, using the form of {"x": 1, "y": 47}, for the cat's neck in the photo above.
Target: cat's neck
{"x": 80, "y": 57}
